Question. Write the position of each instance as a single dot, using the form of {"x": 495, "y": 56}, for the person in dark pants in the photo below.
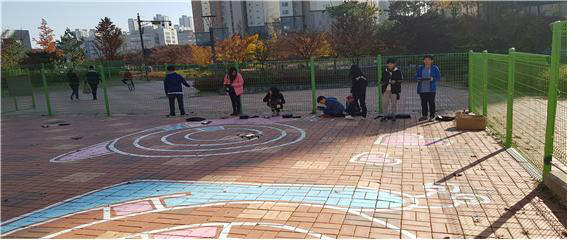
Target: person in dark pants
{"x": 427, "y": 76}
{"x": 234, "y": 85}
{"x": 333, "y": 107}
{"x": 358, "y": 88}
{"x": 275, "y": 100}
{"x": 391, "y": 88}
{"x": 93, "y": 78}
{"x": 73, "y": 83}
{"x": 173, "y": 89}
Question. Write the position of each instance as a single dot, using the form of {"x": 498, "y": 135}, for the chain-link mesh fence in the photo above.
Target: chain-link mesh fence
{"x": 560, "y": 136}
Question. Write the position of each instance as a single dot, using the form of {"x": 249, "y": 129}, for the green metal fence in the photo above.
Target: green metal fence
{"x": 523, "y": 97}
{"x": 301, "y": 81}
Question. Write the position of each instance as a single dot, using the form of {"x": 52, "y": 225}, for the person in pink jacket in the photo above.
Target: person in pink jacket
{"x": 234, "y": 85}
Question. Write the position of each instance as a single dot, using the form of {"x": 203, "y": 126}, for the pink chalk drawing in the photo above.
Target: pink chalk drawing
{"x": 130, "y": 208}
{"x": 377, "y": 159}
{"x": 99, "y": 149}
{"x": 204, "y": 232}
{"x": 405, "y": 139}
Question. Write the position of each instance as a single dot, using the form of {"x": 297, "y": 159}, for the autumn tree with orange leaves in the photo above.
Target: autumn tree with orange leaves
{"x": 306, "y": 45}
{"x": 46, "y": 38}
{"x": 237, "y": 48}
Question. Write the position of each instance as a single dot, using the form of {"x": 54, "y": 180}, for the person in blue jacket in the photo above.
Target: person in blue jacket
{"x": 427, "y": 76}
{"x": 172, "y": 86}
{"x": 332, "y": 106}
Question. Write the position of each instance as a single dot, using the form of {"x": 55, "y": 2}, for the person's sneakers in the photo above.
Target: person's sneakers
{"x": 170, "y": 115}
{"x": 422, "y": 118}
{"x": 183, "y": 114}
{"x": 432, "y": 118}
{"x": 349, "y": 117}
{"x": 233, "y": 114}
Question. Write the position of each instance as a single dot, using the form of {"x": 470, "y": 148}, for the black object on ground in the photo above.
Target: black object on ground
{"x": 195, "y": 119}
{"x": 398, "y": 116}
{"x": 444, "y": 118}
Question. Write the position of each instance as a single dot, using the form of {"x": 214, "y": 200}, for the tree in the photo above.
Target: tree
{"x": 46, "y": 37}
{"x": 353, "y": 29}
{"x": 237, "y": 48}
{"x": 171, "y": 54}
{"x": 12, "y": 53}
{"x": 305, "y": 45}
{"x": 201, "y": 55}
{"x": 71, "y": 47}
{"x": 108, "y": 38}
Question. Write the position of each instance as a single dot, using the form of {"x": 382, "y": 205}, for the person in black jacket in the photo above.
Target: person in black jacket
{"x": 358, "y": 88}
{"x": 73, "y": 83}
{"x": 93, "y": 78}
{"x": 173, "y": 89}
{"x": 391, "y": 88}
{"x": 275, "y": 100}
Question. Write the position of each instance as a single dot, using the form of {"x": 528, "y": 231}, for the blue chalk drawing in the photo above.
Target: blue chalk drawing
{"x": 210, "y": 192}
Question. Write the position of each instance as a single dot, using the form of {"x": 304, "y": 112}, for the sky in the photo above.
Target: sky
{"x": 85, "y": 14}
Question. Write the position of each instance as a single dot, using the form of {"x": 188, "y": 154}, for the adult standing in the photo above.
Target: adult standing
{"x": 358, "y": 88}
{"x": 93, "y": 78}
{"x": 427, "y": 76}
{"x": 173, "y": 89}
{"x": 234, "y": 85}
{"x": 73, "y": 83}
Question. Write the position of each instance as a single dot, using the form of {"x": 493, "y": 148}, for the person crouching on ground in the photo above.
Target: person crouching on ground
{"x": 391, "y": 88}
{"x": 352, "y": 108}
{"x": 358, "y": 89}
{"x": 427, "y": 76}
{"x": 173, "y": 89}
{"x": 275, "y": 100}
{"x": 332, "y": 106}
{"x": 234, "y": 85}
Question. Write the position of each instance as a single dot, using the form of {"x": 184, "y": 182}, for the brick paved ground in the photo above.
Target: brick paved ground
{"x": 306, "y": 178}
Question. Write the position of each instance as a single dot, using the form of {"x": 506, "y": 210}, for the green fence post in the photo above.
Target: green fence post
{"x": 105, "y": 92}
{"x": 379, "y": 107}
{"x": 510, "y": 100}
{"x": 552, "y": 97}
{"x": 471, "y": 79}
{"x": 33, "y": 94}
{"x": 46, "y": 91}
{"x": 313, "y": 88}
{"x": 485, "y": 83}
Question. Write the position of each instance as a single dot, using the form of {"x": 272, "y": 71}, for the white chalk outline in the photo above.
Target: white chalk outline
{"x": 381, "y": 137}
{"x": 355, "y": 159}
{"x": 112, "y": 146}
{"x": 226, "y": 229}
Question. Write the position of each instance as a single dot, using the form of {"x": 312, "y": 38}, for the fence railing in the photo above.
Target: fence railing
{"x": 299, "y": 79}
{"x": 523, "y": 96}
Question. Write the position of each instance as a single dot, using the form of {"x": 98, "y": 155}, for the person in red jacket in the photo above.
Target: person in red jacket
{"x": 234, "y": 85}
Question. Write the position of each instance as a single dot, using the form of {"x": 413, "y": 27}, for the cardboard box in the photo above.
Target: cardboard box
{"x": 465, "y": 121}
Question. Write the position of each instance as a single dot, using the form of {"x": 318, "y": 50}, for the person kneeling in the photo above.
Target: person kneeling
{"x": 332, "y": 106}
{"x": 275, "y": 100}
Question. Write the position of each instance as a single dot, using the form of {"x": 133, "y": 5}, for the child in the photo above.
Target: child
{"x": 275, "y": 100}
{"x": 332, "y": 106}
{"x": 427, "y": 76}
{"x": 128, "y": 79}
{"x": 391, "y": 88}
{"x": 352, "y": 108}
{"x": 73, "y": 83}
{"x": 173, "y": 90}
{"x": 358, "y": 89}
